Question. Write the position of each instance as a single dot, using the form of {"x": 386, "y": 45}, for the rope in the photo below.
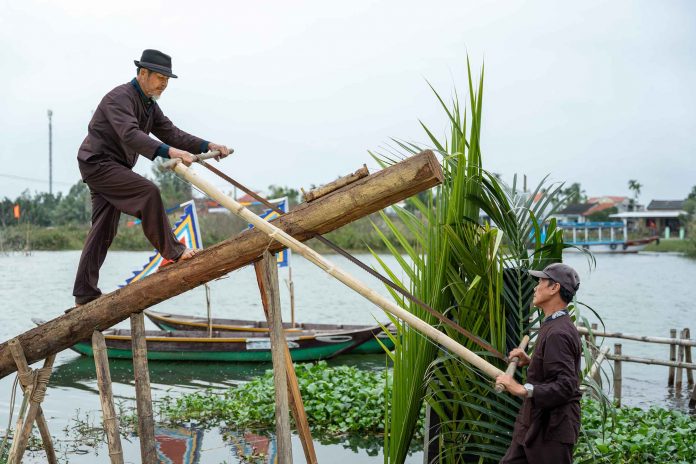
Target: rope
{"x": 13, "y": 397}
{"x": 36, "y": 382}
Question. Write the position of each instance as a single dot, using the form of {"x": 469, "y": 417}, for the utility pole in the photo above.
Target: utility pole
{"x": 50, "y": 153}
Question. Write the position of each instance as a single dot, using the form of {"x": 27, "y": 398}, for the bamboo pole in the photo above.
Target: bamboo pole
{"x": 512, "y": 366}
{"x": 143, "y": 395}
{"x": 594, "y": 372}
{"x": 35, "y": 396}
{"x": 652, "y": 361}
{"x": 689, "y": 360}
{"x": 208, "y": 310}
{"x": 267, "y": 276}
{"x": 639, "y": 338}
{"x": 101, "y": 363}
{"x": 692, "y": 400}
{"x": 298, "y": 247}
{"x": 672, "y": 357}
{"x": 617, "y": 375}
{"x": 24, "y": 372}
{"x": 680, "y": 369}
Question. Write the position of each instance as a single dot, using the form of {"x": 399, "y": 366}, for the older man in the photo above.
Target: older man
{"x": 548, "y": 424}
{"x": 117, "y": 134}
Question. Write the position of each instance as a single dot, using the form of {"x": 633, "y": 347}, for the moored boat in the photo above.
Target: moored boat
{"x": 186, "y": 345}
{"x": 167, "y": 321}
{"x": 602, "y": 237}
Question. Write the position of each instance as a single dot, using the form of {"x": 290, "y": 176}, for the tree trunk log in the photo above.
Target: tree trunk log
{"x": 323, "y": 215}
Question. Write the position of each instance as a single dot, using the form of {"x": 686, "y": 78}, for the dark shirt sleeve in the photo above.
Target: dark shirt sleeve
{"x": 559, "y": 369}
{"x": 163, "y": 151}
{"x": 120, "y": 114}
{"x": 168, "y": 133}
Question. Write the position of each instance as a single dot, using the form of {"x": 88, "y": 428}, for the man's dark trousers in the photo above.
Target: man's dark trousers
{"x": 115, "y": 189}
{"x": 539, "y": 452}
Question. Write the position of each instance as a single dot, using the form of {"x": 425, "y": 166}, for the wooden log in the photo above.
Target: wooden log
{"x": 111, "y": 426}
{"x": 36, "y": 396}
{"x": 335, "y": 185}
{"x": 143, "y": 395}
{"x": 296, "y": 246}
{"x": 357, "y": 200}
{"x": 679, "y": 375}
{"x": 639, "y": 338}
{"x": 652, "y": 361}
{"x": 617, "y": 375}
{"x": 23, "y": 369}
{"x": 267, "y": 278}
{"x": 688, "y": 359}
{"x": 298, "y": 411}
{"x": 512, "y": 366}
{"x": 672, "y": 357}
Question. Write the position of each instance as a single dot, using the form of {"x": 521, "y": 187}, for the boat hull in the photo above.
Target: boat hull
{"x": 166, "y": 321}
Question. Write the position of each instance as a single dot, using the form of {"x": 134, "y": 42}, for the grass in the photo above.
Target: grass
{"x": 672, "y": 245}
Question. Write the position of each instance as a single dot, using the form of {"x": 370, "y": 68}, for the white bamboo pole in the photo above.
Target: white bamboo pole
{"x": 331, "y": 269}
{"x": 512, "y": 366}
{"x": 594, "y": 370}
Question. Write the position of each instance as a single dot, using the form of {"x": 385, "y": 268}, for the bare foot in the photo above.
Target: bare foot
{"x": 188, "y": 254}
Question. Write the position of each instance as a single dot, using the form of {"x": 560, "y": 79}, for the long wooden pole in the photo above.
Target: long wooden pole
{"x": 295, "y": 398}
{"x": 594, "y": 370}
{"x": 24, "y": 370}
{"x": 680, "y": 369}
{"x": 267, "y": 274}
{"x": 688, "y": 359}
{"x": 672, "y": 357}
{"x": 651, "y": 361}
{"x": 298, "y": 247}
{"x": 373, "y": 193}
{"x": 101, "y": 363}
{"x": 639, "y": 338}
{"x": 617, "y": 375}
{"x": 512, "y": 366}
{"x": 143, "y": 395}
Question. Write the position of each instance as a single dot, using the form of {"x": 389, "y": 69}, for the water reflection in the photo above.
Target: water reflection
{"x": 178, "y": 446}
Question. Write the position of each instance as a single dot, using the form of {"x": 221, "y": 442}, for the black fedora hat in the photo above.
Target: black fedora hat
{"x": 155, "y": 60}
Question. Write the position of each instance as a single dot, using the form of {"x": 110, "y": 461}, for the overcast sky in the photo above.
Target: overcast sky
{"x": 590, "y": 92}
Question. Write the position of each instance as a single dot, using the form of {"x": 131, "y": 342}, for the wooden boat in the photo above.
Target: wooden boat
{"x": 176, "y": 322}
{"x": 601, "y": 237}
{"x": 187, "y": 345}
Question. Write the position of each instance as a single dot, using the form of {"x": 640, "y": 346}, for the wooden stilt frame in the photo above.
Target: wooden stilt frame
{"x": 101, "y": 362}
{"x": 34, "y": 383}
{"x": 267, "y": 278}
{"x": 143, "y": 395}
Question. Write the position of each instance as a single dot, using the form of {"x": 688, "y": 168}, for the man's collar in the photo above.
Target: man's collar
{"x": 559, "y": 313}
{"x": 147, "y": 100}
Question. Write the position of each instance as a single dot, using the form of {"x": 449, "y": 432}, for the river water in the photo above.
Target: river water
{"x": 643, "y": 294}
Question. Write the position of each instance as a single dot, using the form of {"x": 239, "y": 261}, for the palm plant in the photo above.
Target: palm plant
{"x": 473, "y": 272}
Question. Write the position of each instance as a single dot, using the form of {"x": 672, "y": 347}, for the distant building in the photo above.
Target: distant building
{"x": 580, "y": 212}
{"x": 661, "y": 217}
{"x": 576, "y": 212}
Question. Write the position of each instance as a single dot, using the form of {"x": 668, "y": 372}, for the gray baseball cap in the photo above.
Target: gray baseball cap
{"x": 561, "y": 273}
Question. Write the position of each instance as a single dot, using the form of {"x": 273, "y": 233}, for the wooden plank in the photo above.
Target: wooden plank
{"x": 323, "y": 215}
{"x": 267, "y": 278}
{"x": 23, "y": 369}
{"x": 143, "y": 395}
{"x": 111, "y": 426}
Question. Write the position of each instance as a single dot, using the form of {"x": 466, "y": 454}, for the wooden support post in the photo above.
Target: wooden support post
{"x": 617, "y": 375}
{"x": 101, "y": 363}
{"x": 34, "y": 393}
{"x": 267, "y": 275}
{"x": 689, "y": 359}
{"x": 680, "y": 371}
{"x": 672, "y": 357}
{"x": 24, "y": 372}
{"x": 143, "y": 396}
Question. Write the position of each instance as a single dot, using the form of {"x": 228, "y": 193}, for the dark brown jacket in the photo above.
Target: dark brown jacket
{"x": 554, "y": 409}
{"x": 120, "y": 126}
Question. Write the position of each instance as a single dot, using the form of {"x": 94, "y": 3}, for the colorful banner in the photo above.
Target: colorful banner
{"x": 283, "y": 258}
{"x": 187, "y": 231}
